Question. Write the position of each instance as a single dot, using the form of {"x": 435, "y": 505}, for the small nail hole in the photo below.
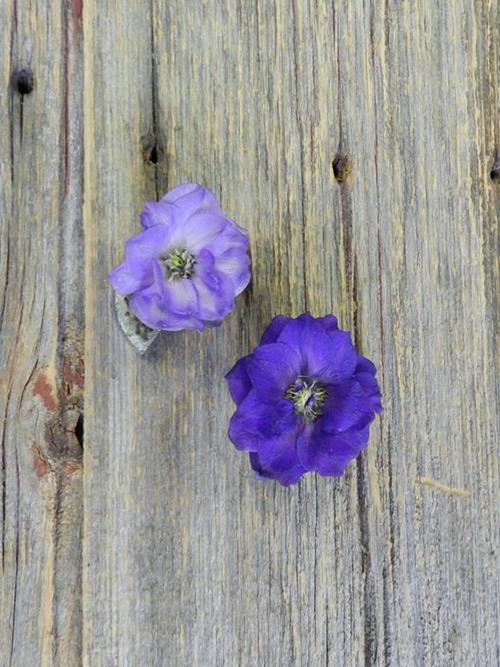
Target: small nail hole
{"x": 23, "y": 81}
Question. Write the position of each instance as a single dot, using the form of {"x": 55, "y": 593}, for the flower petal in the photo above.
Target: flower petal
{"x": 329, "y": 357}
{"x": 238, "y": 381}
{"x": 181, "y": 297}
{"x": 285, "y": 471}
{"x": 328, "y": 323}
{"x": 131, "y": 276}
{"x": 151, "y": 307}
{"x": 347, "y": 406}
{"x": 152, "y": 242}
{"x": 330, "y": 454}
{"x": 178, "y": 205}
{"x": 250, "y": 423}
{"x": 192, "y": 198}
{"x": 272, "y": 368}
{"x": 235, "y": 263}
{"x": 283, "y": 429}
{"x": 233, "y": 236}
{"x": 148, "y": 307}
{"x": 364, "y": 365}
{"x": 371, "y": 390}
{"x": 273, "y": 331}
{"x": 215, "y": 290}
{"x": 260, "y": 473}
{"x": 157, "y": 213}
{"x": 197, "y": 231}
{"x": 150, "y": 310}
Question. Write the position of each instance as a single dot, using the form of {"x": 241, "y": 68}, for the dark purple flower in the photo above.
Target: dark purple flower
{"x": 187, "y": 266}
{"x": 305, "y": 400}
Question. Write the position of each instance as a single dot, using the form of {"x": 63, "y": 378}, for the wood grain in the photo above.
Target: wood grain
{"x": 165, "y": 551}
{"x": 41, "y": 337}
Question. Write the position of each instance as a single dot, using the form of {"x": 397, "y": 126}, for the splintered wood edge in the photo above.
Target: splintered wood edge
{"x": 140, "y": 336}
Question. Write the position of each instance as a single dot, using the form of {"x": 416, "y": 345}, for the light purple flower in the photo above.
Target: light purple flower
{"x": 305, "y": 400}
{"x": 187, "y": 266}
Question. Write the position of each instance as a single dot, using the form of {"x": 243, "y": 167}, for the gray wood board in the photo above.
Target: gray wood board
{"x": 41, "y": 336}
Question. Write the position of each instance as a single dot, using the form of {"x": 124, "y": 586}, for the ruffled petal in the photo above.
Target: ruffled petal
{"x": 197, "y": 231}
{"x": 285, "y": 469}
{"x": 150, "y": 305}
{"x": 330, "y": 454}
{"x": 181, "y": 297}
{"x": 151, "y": 243}
{"x": 238, "y": 381}
{"x": 157, "y": 213}
{"x": 233, "y": 236}
{"x": 148, "y": 308}
{"x": 151, "y": 312}
{"x": 131, "y": 276}
{"x": 371, "y": 390}
{"x": 273, "y": 331}
{"x": 260, "y": 472}
{"x": 328, "y": 323}
{"x": 330, "y": 357}
{"x": 235, "y": 263}
{"x": 251, "y": 422}
{"x": 364, "y": 365}
{"x": 215, "y": 298}
{"x": 347, "y": 406}
{"x": 178, "y": 205}
{"x": 215, "y": 290}
{"x": 192, "y": 198}
{"x": 280, "y": 445}
{"x": 272, "y": 368}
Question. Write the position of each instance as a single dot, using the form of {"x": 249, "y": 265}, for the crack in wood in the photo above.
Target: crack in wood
{"x": 16, "y": 562}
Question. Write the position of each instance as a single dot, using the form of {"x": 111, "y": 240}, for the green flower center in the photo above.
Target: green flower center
{"x": 179, "y": 263}
{"x": 308, "y": 398}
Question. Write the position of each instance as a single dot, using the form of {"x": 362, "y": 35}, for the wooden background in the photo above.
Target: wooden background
{"x": 132, "y": 533}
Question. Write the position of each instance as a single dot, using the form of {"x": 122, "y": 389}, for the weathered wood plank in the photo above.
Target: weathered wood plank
{"x": 118, "y": 537}
{"x": 187, "y": 560}
{"x": 41, "y": 337}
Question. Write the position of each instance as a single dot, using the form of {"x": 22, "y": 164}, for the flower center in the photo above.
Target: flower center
{"x": 308, "y": 398}
{"x": 179, "y": 263}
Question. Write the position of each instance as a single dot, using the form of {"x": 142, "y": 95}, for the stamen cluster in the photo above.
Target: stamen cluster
{"x": 308, "y": 398}
{"x": 179, "y": 263}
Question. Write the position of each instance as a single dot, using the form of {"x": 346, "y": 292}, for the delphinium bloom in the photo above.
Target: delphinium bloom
{"x": 305, "y": 400}
{"x": 184, "y": 270}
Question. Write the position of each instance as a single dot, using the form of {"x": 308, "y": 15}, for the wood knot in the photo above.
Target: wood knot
{"x": 151, "y": 149}
{"x": 342, "y": 167}
{"x": 23, "y": 81}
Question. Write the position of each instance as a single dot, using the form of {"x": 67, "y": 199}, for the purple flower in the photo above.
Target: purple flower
{"x": 187, "y": 266}
{"x": 305, "y": 400}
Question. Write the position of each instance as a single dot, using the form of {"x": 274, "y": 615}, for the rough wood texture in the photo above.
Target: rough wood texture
{"x": 165, "y": 551}
{"x": 41, "y": 337}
